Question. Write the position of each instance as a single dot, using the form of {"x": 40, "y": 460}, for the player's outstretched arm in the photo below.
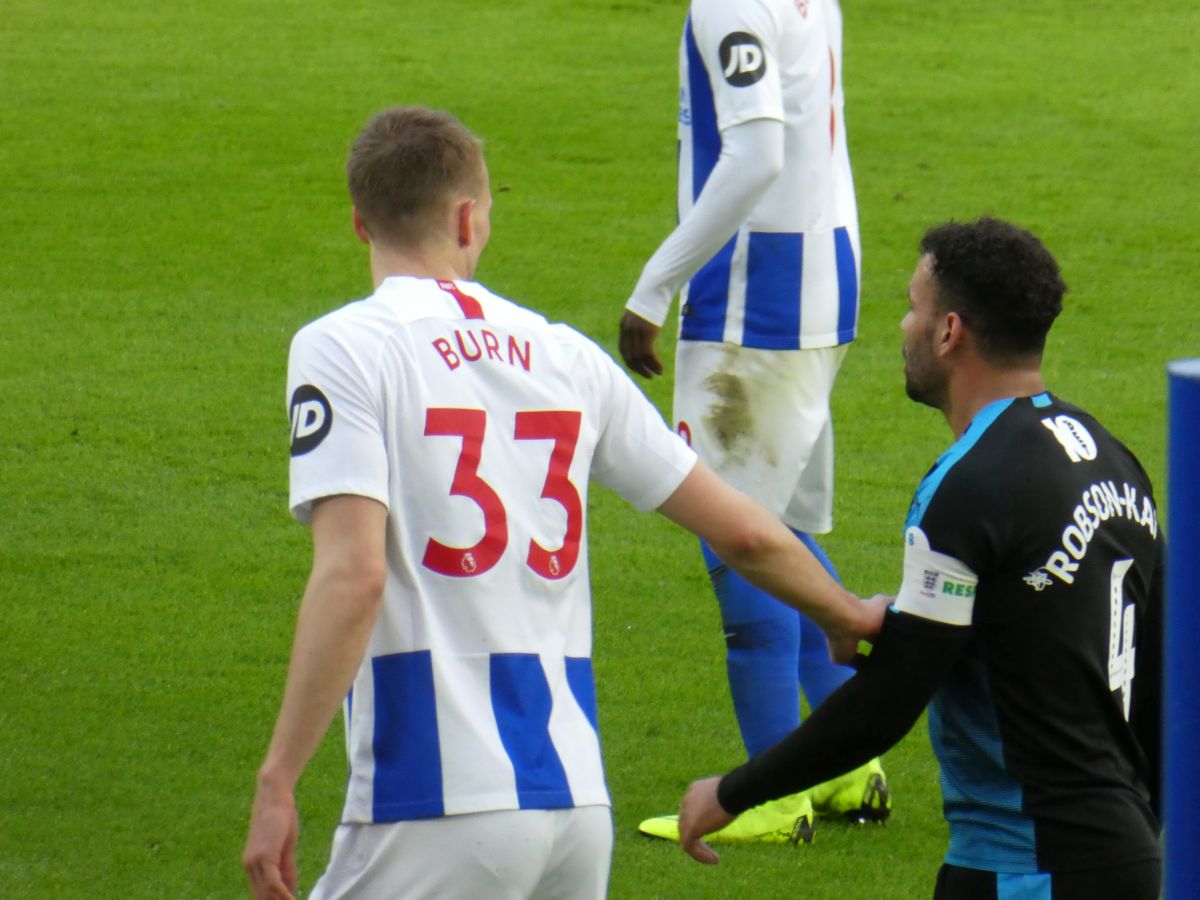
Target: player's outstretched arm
{"x": 866, "y": 716}
{"x": 751, "y": 540}
{"x": 337, "y": 615}
{"x": 860, "y": 720}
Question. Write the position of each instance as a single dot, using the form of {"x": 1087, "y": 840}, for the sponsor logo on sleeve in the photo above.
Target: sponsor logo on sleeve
{"x": 311, "y": 419}
{"x": 743, "y": 61}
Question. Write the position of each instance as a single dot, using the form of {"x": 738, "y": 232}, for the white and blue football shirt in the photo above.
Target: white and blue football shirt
{"x": 789, "y": 278}
{"x": 478, "y": 424}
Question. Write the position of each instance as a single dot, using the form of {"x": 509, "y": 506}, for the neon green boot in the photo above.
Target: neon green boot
{"x": 788, "y": 820}
{"x": 858, "y": 796}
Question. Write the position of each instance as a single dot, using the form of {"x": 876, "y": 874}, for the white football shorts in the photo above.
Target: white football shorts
{"x": 527, "y": 854}
{"x": 761, "y": 420}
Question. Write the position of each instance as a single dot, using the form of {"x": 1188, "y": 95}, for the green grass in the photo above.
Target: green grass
{"x": 173, "y": 209}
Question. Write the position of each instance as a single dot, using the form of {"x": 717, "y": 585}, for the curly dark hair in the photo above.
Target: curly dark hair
{"x": 1001, "y": 280}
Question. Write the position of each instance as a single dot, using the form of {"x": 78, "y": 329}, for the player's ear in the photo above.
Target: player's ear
{"x": 360, "y": 227}
{"x": 952, "y": 333}
{"x": 466, "y": 226}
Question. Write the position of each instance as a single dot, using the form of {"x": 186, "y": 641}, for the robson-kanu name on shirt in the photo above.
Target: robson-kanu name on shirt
{"x": 1099, "y": 503}
{"x": 469, "y": 345}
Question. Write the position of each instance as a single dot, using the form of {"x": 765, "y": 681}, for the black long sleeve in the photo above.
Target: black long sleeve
{"x": 864, "y": 717}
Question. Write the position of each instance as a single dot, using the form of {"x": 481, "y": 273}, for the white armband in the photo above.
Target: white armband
{"x": 935, "y": 586}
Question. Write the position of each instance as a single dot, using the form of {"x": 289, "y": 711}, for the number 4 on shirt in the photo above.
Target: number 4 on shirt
{"x": 560, "y": 426}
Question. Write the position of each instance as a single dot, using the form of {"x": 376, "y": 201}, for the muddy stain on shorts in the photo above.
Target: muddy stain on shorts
{"x": 729, "y": 417}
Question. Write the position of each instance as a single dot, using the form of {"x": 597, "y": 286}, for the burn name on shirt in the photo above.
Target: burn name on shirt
{"x": 1099, "y": 503}
{"x": 469, "y": 345}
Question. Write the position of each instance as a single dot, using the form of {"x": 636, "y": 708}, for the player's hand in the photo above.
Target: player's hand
{"x": 701, "y": 813}
{"x": 874, "y": 611}
{"x": 843, "y": 644}
{"x": 270, "y": 855}
{"x": 637, "y": 345}
{"x": 843, "y": 648}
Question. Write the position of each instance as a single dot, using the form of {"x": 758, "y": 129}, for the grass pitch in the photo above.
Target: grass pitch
{"x": 173, "y": 209}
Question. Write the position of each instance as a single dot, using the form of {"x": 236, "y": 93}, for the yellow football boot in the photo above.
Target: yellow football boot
{"x": 859, "y": 796}
{"x": 788, "y": 820}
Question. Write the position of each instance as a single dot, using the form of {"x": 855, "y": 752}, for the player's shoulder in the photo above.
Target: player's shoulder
{"x": 968, "y": 499}
{"x": 745, "y": 9}
{"x": 1037, "y": 425}
{"x": 594, "y": 370}
{"x": 1037, "y": 446}
{"x": 1080, "y": 437}
{"x": 332, "y": 327}
{"x": 1057, "y": 431}
{"x": 496, "y": 306}
{"x": 720, "y": 17}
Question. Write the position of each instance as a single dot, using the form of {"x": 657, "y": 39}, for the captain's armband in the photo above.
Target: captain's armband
{"x": 935, "y": 586}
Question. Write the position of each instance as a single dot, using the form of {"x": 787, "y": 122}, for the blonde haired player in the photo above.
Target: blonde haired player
{"x": 443, "y": 439}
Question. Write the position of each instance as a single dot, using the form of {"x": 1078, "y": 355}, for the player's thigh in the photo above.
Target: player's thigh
{"x": 579, "y": 863}
{"x": 756, "y": 416}
{"x": 504, "y": 855}
{"x": 810, "y": 506}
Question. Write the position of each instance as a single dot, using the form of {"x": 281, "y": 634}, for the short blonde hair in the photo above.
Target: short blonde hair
{"x": 406, "y": 164}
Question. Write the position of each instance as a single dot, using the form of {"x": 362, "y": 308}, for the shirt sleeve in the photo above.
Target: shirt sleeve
{"x": 864, "y": 717}
{"x": 637, "y": 455}
{"x": 751, "y": 159}
{"x": 337, "y": 445}
{"x": 738, "y": 44}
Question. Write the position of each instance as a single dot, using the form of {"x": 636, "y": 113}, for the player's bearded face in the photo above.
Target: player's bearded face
{"x": 924, "y": 379}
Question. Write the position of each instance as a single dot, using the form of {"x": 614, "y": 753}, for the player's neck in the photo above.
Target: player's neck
{"x": 419, "y": 262}
{"x": 971, "y": 389}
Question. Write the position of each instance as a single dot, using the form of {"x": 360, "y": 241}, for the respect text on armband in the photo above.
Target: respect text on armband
{"x": 1099, "y": 503}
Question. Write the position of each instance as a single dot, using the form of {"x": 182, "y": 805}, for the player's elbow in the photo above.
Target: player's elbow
{"x": 367, "y": 580}
{"x": 756, "y": 149}
{"x": 763, "y": 173}
{"x": 746, "y": 543}
{"x": 371, "y": 583}
{"x": 770, "y": 164}
{"x": 358, "y": 579}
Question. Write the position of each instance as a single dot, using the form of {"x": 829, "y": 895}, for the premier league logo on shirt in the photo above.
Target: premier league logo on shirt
{"x": 742, "y": 59}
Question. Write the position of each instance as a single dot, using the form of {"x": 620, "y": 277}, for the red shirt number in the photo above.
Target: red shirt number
{"x": 560, "y": 426}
